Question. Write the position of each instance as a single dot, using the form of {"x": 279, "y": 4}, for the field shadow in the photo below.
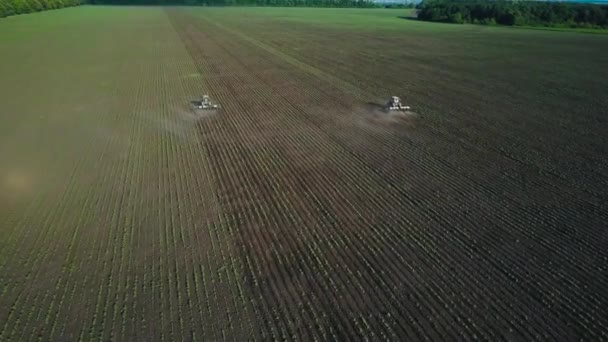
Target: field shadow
{"x": 408, "y": 18}
{"x": 425, "y": 21}
{"x": 375, "y": 106}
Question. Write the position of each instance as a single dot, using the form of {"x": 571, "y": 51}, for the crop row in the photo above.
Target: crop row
{"x": 500, "y": 169}
{"x": 430, "y": 85}
{"x": 230, "y": 50}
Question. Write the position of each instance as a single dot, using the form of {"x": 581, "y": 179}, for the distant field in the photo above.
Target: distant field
{"x": 299, "y": 209}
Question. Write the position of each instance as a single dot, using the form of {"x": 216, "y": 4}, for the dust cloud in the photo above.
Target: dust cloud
{"x": 376, "y": 116}
{"x": 16, "y": 183}
{"x": 180, "y": 122}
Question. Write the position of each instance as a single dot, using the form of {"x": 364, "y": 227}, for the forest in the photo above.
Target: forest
{"x": 282, "y": 3}
{"x": 14, "y": 7}
{"x": 515, "y": 13}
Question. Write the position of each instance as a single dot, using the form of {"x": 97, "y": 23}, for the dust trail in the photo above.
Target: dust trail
{"x": 180, "y": 122}
{"x": 375, "y": 116}
{"x": 16, "y": 182}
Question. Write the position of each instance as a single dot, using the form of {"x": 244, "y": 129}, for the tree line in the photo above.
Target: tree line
{"x": 520, "y": 13}
{"x": 14, "y": 7}
{"x": 286, "y": 3}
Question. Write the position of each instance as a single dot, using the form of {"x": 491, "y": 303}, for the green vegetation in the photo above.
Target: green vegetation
{"x": 407, "y": 5}
{"x": 14, "y": 7}
{"x": 515, "y": 13}
{"x": 300, "y": 210}
{"x": 279, "y": 3}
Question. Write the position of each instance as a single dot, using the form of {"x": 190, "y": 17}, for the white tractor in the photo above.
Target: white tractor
{"x": 395, "y": 104}
{"x": 204, "y": 103}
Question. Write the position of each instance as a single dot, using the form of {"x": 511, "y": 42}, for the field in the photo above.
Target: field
{"x": 298, "y": 211}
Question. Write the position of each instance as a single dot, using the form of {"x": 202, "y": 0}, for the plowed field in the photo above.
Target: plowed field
{"x": 299, "y": 211}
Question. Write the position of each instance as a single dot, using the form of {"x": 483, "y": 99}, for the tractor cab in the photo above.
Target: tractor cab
{"x": 204, "y": 103}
